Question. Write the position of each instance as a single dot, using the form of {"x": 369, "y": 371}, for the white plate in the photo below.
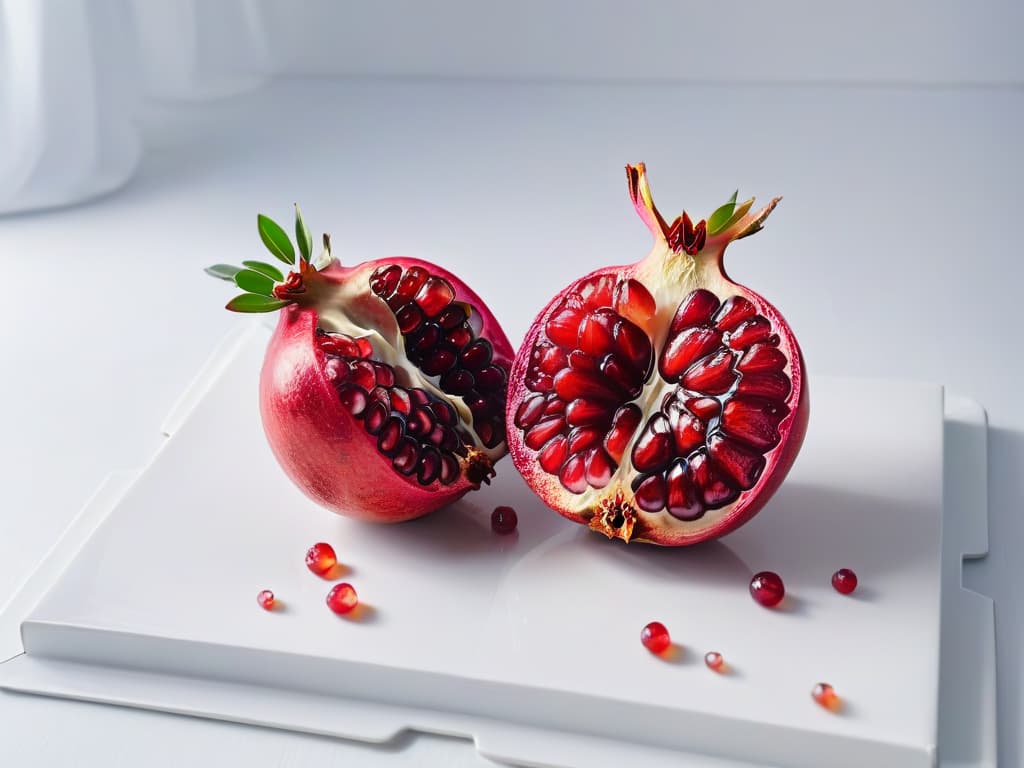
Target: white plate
{"x": 529, "y": 644}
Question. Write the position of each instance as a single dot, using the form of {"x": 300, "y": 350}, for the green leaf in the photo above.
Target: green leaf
{"x": 223, "y": 271}
{"x": 740, "y": 212}
{"x": 250, "y": 302}
{"x": 721, "y": 216}
{"x": 275, "y": 239}
{"x": 265, "y": 269}
{"x": 252, "y": 281}
{"x": 302, "y": 236}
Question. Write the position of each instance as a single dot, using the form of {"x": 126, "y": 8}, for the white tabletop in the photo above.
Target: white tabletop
{"x": 892, "y": 255}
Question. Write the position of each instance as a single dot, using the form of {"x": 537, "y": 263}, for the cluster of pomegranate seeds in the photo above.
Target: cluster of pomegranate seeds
{"x": 844, "y": 581}
{"x": 504, "y": 520}
{"x": 320, "y": 558}
{"x": 440, "y": 341}
{"x": 767, "y": 588}
{"x": 655, "y": 637}
{"x": 595, "y": 359}
{"x": 416, "y": 430}
{"x": 266, "y": 600}
{"x": 342, "y": 598}
{"x": 707, "y": 443}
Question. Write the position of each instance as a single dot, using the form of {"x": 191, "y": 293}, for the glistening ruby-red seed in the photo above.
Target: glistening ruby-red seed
{"x": 844, "y": 581}
{"x": 342, "y": 598}
{"x": 767, "y": 589}
{"x": 320, "y": 558}
{"x": 714, "y": 660}
{"x": 655, "y": 637}
{"x": 504, "y": 520}
{"x": 266, "y": 599}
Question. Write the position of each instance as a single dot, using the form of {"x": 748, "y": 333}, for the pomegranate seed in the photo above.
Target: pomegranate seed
{"x": 563, "y": 328}
{"x": 543, "y": 431}
{"x": 760, "y": 358}
{"x": 573, "y": 474}
{"x": 767, "y": 589}
{"x": 714, "y": 660}
{"x": 773, "y": 385}
{"x": 654, "y": 448}
{"x": 597, "y": 292}
{"x": 734, "y": 311}
{"x": 595, "y": 333}
{"x": 844, "y": 581}
{"x": 364, "y": 348}
{"x": 599, "y": 468}
{"x": 504, "y": 520}
{"x": 683, "y": 502}
{"x": 750, "y": 332}
{"x": 384, "y": 279}
{"x": 689, "y": 433}
{"x": 411, "y": 282}
{"x": 320, "y": 558}
{"x": 582, "y": 438}
{"x": 651, "y": 494}
{"x": 632, "y": 342}
{"x": 436, "y": 294}
{"x": 741, "y": 464}
{"x": 584, "y": 413}
{"x": 717, "y": 491}
{"x": 655, "y": 637}
{"x": 266, "y": 599}
{"x": 553, "y": 453}
{"x": 754, "y": 421}
{"x": 624, "y": 424}
{"x": 354, "y": 399}
{"x": 632, "y": 299}
{"x": 342, "y": 598}
{"x": 695, "y": 309}
{"x": 705, "y": 407}
{"x": 409, "y": 318}
{"x": 684, "y": 349}
{"x": 826, "y": 696}
{"x": 713, "y": 374}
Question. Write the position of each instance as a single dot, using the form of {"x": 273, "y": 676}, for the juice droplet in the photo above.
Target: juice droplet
{"x": 342, "y": 598}
{"x": 266, "y": 599}
{"x": 844, "y": 581}
{"x": 655, "y": 637}
{"x": 320, "y": 558}
{"x": 767, "y": 589}
{"x": 504, "y": 520}
{"x": 826, "y": 696}
{"x": 714, "y": 660}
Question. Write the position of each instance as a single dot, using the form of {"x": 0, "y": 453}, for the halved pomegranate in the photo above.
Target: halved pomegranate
{"x": 383, "y": 387}
{"x": 660, "y": 401}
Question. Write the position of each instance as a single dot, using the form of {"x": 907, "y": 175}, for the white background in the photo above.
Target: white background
{"x": 893, "y": 253}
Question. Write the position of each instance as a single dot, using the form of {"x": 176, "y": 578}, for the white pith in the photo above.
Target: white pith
{"x": 351, "y": 308}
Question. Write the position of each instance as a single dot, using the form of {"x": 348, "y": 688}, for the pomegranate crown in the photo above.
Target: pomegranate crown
{"x": 730, "y": 221}
{"x": 265, "y": 287}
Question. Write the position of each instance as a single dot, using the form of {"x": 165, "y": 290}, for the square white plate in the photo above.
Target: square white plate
{"x": 529, "y": 643}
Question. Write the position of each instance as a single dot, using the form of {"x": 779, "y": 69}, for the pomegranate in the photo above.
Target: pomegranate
{"x": 383, "y": 387}
{"x": 660, "y": 401}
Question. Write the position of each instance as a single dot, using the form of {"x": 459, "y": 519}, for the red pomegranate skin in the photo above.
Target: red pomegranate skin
{"x": 319, "y": 444}
{"x": 616, "y": 502}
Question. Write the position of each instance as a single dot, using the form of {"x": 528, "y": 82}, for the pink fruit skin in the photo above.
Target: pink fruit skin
{"x": 320, "y": 445}
{"x": 778, "y": 460}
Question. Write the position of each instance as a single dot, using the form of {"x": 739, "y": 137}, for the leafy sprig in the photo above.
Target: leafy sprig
{"x": 257, "y": 278}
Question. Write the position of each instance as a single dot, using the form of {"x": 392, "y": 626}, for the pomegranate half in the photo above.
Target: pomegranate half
{"x": 660, "y": 401}
{"x": 383, "y": 387}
